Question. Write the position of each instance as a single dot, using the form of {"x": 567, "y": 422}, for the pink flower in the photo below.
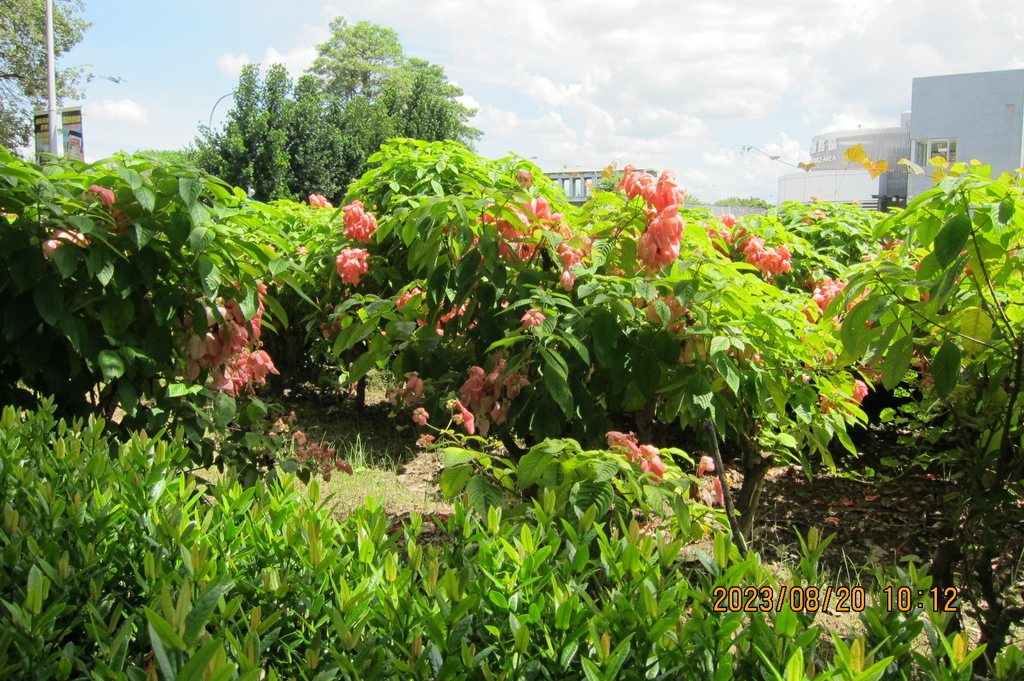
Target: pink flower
{"x": 653, "y": 465}
{"x": 420, "y": 416}
{"x": 860, "y": 391}
{"x": 665, "y": 192}
{"x": 465, "y": 417}
{"x": 624, "y": 443}
{"x": 413, "y": 388}
{"x": 729, "y": 220}
{"x": 404, "y": 299}
{"x": 524, "y": 178}
{"x": 658, "y": 247}
{"x": 359, "y": 224}
{"x": 826, "y": 291}
{"x": 533, "y": 317}
{"x": 633, "y": 183}
{"x": 706, "y": 465}
{"x": 352, "y": 264}
{"x": 567, "y": 280}
{"x": 319, "y": 201}
{"x": 106, "y": 196}
{"x": 59, "y": 239}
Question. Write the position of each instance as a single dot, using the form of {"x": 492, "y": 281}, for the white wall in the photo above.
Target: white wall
{"x": 852, "y": 184}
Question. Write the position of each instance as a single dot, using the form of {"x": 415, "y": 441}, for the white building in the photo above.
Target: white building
{"x": 959, "y": 117}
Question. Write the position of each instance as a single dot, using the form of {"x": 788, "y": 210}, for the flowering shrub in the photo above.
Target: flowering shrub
{"x": 138, "y": 290}
{"x": 526, "y": 318}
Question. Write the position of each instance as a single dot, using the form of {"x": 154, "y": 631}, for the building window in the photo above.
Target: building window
{"x": 926, "y": 150}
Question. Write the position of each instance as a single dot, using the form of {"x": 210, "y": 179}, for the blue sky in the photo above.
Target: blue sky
{"x": 578, "y": 85}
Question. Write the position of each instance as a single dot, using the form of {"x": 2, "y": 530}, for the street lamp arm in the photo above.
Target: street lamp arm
{"x": 210, "y": 125}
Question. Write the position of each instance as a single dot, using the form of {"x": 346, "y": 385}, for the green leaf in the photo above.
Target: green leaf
{"x": 976, "y": 323}
{"x": 559, "y": 390}
{"x": 111, "y": 364}
{"x": 854, "y": 335}
{"x": 591, "y": 670}
{"x": 196, "y": 666}
{"x": 199, "y": 615}
{"x": 483, "y": 494}
{"x": 897, "y": 361}
{"x": 531, "y": 466}
{"x": 163, "y": 629}
{"x": 146, "y": 197}
{"x": 1007, "y": 207}
{"x": 201, "y": 237}
{"x": 587, "y": 493}
{"x": 66, "y": 259}
{"x": 209, "y": 274}
{"x": 453, "y": 480}
{"x": 604, "y": 331}
{"x": 952, "y": 238}
{"x": 189, "y": 189}
{"x": 117, "y": 316}
{"x": 795, "y": 667}
{"x": 224, "y": 410}
{"x": 49, "y": 299}
{"x": 945, "y": 368}
{"x": 456, "y": 456}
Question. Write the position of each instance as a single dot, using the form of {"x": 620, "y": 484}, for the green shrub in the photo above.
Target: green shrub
{"x": 115, "y": 566}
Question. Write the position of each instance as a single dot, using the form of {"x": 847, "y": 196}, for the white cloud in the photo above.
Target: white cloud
{"x": 296, "y": 61}
{"x": 681, "y": 86}
{"x": 118, "y": 111}
{"x": 231, "y": 64}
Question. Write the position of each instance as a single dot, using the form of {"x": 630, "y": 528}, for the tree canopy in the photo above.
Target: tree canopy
{"x": 287, "y": 139}
{"x": 23, "y": 61}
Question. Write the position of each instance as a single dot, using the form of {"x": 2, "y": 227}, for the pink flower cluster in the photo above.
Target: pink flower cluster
{"x": 770, "y": 261}
{"x": 359, "y": 225}
{"x": 675, "y": 310}
{"x": 408, "y": 391}
{"x": 352, "y": 264}
{"x": 515, "y": 244}
{"x": 404, "y": 299}
{"x": 860, "y": 391}
{"x": 647, "y": 456}
{"x": 659, "y": 194}
{"x": 320, "y": 201}
{"x": 230, "y": 351}
{"x": 106, "y": 196}
{"x": 488, "y": 394}
{"x": 658, "y": 246}
{"x": 532, "y": 318}
{"x": 322, "y": 458}
{"x": 707, "y": 465}
{"x": 825, "y": 292}
{"x": 570, "y": 257}
{"x": 50, "y": 246}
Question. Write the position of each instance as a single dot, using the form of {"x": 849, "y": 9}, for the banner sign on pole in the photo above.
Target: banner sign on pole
{"x": 71, "y": 124}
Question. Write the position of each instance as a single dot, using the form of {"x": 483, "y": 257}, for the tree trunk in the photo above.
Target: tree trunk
{"x": 755, "y": 468}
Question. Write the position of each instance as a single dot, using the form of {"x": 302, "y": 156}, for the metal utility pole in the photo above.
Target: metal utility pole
{"x": 51, "y": 82}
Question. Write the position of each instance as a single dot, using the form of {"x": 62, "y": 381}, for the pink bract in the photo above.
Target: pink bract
{"x": 352, "y": 264}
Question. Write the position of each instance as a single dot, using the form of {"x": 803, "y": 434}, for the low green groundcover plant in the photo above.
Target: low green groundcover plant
{"x": 114, "y": 565}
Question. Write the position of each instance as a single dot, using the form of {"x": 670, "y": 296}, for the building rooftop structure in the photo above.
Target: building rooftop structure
{"x": 958, "y": 117}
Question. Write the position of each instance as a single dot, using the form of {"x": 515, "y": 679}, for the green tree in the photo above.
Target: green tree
{"x": 23, "y": 61}
{"x": 287, "y": 141}
{"x": 751, "y": 202}
{"x": 252, "y": 152}
{"x": 358, "y": 60}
